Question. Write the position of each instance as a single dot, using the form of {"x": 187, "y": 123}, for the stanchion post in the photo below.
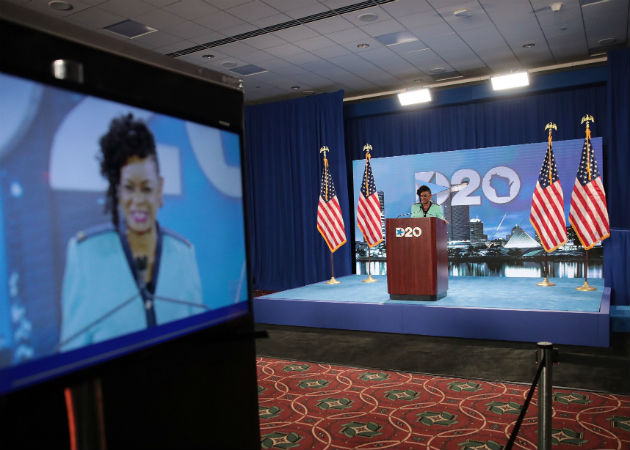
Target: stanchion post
{"x": 545, "y": 354}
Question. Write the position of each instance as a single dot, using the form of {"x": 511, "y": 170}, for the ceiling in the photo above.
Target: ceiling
{"x": 283, "y": 49}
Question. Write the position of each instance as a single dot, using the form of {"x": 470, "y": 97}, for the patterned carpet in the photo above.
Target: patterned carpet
{"x": 305, "y": 405}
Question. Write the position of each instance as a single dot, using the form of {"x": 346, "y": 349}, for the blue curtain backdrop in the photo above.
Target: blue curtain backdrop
{"x": 283, "y": 171}
{"x": 617, "y": 165}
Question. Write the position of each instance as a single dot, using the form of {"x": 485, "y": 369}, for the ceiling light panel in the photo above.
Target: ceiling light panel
{"x": 414, "y": 97}
{"x": 510, "y": 81}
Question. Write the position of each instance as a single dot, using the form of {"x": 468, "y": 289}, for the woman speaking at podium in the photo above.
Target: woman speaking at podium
{"x": 426, "y": 208}
{"x": 132, "y": 273}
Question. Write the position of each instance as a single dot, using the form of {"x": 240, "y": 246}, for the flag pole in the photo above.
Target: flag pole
{"x": 332, "y": 280}
{"x": 332, "y": 272}
{"x": 587, "y": 287}
{"x": 545, "y": 282}
{"x": 369, "y": 279}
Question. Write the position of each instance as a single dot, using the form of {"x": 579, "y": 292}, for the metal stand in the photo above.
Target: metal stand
{"x": 545, "y": 281}
{"x": 332, "y": 272}
{"x": 545, "y": 351}
{"x": 586, "y": 287}
{"x": 369, "y": 279}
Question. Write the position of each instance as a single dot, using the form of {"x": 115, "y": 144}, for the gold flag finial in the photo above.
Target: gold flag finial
{"x": 323, "y": 150}
{"x": 588, "y": 118}
{"x": 367, "y": 148}
{"x": 550, "y": 126}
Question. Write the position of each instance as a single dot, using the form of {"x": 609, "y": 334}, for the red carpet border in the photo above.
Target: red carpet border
{"x": 305, "y": 405}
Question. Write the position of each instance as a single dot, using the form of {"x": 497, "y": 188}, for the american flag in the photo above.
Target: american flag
{"x": 369, "y": 210}
{"x": 547, "y": 213}
{"x": 589, "y": 214}
{"x": 329, "y": 219}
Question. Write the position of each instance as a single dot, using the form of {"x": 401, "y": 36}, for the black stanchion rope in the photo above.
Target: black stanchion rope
{"x": 521, "y": 416}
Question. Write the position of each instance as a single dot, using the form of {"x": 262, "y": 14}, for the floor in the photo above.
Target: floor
{"x": 589, "y": 368}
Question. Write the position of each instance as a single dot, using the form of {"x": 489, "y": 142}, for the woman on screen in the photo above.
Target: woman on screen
{"x": 132, "y": 273}
{"x": 426, "y": 208}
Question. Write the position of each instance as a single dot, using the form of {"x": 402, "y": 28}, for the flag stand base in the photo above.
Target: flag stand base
{"x": 333, "y": 281}
{"x": 369, "y": 279}
{"x": 545, "y": 282}
{"x": 586, "y": 287}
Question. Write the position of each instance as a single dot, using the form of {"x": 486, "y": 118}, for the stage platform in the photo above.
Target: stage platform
{"x": 509, "y": 309}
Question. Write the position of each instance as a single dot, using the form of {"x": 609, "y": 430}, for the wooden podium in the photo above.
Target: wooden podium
{"x": 417, "y": 258}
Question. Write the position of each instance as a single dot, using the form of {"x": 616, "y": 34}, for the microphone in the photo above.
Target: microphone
{"x": 149, "y": 309}
{"x": 148, "y": 297}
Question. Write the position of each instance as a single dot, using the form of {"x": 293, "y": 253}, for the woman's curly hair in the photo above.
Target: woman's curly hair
{"x": 125, "y": 138}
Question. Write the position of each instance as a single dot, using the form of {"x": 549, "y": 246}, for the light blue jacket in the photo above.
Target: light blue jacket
{"x": 435, "y": 210}
{"x": 100, "y": 296}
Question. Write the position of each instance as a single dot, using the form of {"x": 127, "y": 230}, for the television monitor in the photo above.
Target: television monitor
{"x": 121, "y": 218}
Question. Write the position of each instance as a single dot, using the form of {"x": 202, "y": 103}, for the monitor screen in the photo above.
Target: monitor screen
{"x": 120, "y": 227}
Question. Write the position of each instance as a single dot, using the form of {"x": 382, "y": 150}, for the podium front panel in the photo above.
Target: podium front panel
{"x": 417, "y": 258}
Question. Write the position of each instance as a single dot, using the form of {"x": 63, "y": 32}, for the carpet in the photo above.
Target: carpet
{"x": 305, "y": 405}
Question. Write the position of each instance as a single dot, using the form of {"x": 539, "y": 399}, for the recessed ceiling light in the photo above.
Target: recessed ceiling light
{"x": 59, "y": 5}
{"x": 363, "y": 45}
{"x": 437, "y": 70}
{"x": 295, "y": 88}
{"x": 529, "y": 45}
{"x": 462, "y": 13}
{"x": 207, "y": 56}
{"x": 229, "y": 64}
{"x": 368, "y": 17}
{"x": 607, "y": 41}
